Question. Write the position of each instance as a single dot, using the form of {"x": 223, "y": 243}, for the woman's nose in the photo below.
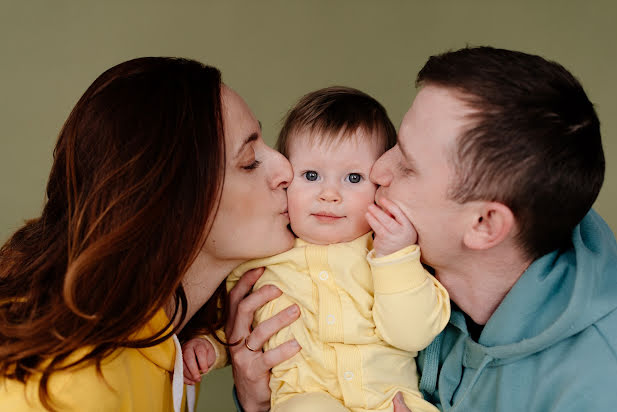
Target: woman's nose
{"x": 281, "y": 172}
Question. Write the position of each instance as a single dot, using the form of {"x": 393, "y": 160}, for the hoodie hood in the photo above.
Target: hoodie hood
{"x": 559, "y": 302}
{"x": 558, "y": 296}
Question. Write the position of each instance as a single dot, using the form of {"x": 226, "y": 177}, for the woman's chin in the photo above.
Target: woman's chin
{"x": 288, "y": 243}
{"x": 273, "y": 243}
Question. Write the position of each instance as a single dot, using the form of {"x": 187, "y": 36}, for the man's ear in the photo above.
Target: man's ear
{"x": 491, "y": 223}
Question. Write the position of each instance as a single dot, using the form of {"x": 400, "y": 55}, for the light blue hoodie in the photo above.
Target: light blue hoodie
{"x": 550, "y": 346}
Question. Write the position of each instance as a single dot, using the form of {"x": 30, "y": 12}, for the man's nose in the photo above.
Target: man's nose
{"x": 381, "y": 173}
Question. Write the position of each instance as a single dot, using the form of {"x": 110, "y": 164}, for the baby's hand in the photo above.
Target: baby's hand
{"x": 198, "y": 355}
{"x": 393, "y": 231}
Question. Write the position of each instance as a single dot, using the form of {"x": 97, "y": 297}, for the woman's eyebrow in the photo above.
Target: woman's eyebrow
{"x": 254, "y": 136}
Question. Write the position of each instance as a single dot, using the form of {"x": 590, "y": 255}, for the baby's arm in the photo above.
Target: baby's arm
{"x": 411, "y": 307}
{"x": 200, "y": 355}
{"x": 393, "y": 231}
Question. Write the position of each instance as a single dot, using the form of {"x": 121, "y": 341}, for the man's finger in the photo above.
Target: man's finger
{"x": 399, "y": 403}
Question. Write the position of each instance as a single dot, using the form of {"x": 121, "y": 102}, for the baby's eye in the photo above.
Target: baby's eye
{"x": 311, "y": 175}
{"x": 354, "y": 178}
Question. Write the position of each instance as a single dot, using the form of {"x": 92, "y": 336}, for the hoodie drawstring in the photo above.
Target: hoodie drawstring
{"x": 428, "y": 381}
{"x": 487, "y": 359}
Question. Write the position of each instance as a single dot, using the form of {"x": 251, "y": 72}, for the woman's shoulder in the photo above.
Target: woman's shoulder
{"x": 69, "y": 390}
{"x": 127, "y": 381}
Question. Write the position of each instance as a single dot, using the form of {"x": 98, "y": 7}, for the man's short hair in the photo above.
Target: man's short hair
{"x": 336, "y": 112}
{"x": 533, "y": 141}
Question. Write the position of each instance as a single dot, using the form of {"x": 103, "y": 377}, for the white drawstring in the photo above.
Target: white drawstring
{"x": 177, "y": 383}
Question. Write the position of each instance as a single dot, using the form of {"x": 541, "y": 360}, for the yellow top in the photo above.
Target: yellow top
{"x": 362, "y": 321}
{"x": 135, "y": 380}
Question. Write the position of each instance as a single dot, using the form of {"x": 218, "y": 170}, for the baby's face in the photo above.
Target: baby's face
{"x": 331, "y": 191}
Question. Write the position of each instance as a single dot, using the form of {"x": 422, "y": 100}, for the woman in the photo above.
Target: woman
{"x": 161, "y": 184}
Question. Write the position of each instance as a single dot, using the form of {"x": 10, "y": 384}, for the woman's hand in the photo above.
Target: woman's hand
{"x": 251, "y": 366}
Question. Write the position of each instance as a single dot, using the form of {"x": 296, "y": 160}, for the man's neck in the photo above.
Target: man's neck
{"x": 479, "y": 286}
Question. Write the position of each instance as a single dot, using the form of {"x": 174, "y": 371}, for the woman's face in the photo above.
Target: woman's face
{"x": 252, "y": 216}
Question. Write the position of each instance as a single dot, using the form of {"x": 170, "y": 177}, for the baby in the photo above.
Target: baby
{"x": 367, "y": 305}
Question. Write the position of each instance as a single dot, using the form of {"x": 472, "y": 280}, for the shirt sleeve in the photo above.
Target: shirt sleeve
{"x": 411, "y": 307}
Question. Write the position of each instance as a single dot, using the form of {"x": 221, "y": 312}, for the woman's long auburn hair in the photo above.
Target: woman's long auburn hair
{"x": 137, "y": 174}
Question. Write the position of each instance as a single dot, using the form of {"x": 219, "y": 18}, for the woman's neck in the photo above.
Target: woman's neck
{"x": 200, "y": 282}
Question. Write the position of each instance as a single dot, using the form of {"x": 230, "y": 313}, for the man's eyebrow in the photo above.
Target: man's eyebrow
{"x": 411, "y": 163}
{"x": 254, "y": 136}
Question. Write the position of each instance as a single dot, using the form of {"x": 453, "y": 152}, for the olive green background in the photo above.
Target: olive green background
{"x": 272, "y": 52}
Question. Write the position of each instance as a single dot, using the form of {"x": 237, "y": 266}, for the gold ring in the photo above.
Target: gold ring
{"x": 246, "y": 343}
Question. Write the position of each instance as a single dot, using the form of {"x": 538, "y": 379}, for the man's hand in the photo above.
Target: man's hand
{"x": 251, "y": 366}
{"x": 399, "y": 404}
{"x": 198, "y": 355}
{"x": 393, "y": 231}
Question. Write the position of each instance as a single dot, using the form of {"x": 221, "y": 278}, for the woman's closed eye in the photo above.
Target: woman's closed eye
{"x": 255, "y": 164}
{"x": 354, "y": 178}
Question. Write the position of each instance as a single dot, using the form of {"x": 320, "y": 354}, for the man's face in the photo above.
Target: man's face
{"x": 415, "y": 174}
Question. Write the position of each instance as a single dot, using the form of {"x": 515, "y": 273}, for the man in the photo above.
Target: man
{"x": 498, "y": 162}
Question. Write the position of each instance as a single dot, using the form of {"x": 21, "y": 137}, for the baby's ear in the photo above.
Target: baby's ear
{"x": 490, "y": 223}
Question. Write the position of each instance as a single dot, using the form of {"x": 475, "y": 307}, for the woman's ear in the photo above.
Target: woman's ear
{"x": 490, "y": 224}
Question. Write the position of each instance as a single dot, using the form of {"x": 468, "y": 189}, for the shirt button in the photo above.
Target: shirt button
{"x": 323, "y": 275}
{"x": 330, "y": 319}
{"x": 348, "y": 375}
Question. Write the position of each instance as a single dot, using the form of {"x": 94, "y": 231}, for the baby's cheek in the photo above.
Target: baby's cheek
{"x": 294, "y": 209}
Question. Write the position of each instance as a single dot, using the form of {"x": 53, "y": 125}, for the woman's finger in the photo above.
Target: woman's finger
{"x": 239, "y": 291}
{"x": 273, "y": 357}
{"x": 266, "y": 329}
{"x": 246, "y": 310}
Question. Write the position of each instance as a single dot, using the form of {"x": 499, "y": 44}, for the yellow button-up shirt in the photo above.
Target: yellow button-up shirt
{"x": 362, "y": 321}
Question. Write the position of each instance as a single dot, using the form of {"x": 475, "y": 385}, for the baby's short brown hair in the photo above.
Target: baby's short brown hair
{"x": 336, "y": 111}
